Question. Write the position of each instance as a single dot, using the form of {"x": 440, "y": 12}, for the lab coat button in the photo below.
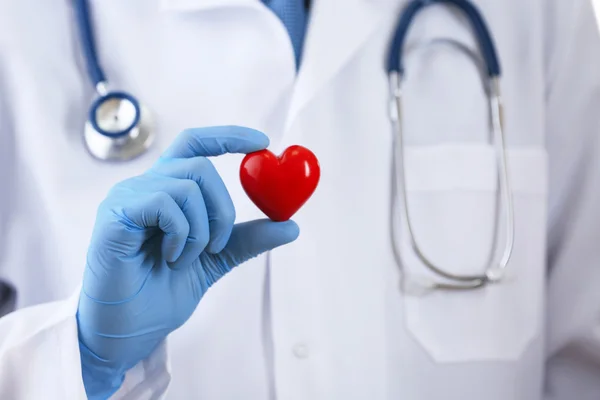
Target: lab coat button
{"x": 301, "y": 350}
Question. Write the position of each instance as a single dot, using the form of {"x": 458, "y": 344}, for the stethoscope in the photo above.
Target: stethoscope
{"x": 118, "y": 127}
{"x": 495, "y": 269}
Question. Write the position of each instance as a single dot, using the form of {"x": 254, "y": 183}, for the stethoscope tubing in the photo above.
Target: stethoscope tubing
{"x": 396, "y": 55}
{"x": 88, "y": 44}
{"x": 495, "y": 267}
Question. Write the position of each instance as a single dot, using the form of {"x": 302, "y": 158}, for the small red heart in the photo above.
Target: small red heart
{"x": 279, "y": 186}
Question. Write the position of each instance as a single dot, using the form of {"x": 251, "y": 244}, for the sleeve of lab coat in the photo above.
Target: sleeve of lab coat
{"x": 7, "y": 184}
{"x": 39, "y": 348}
{"x": 39, "y": 358}
{"x": 572, "y": 51}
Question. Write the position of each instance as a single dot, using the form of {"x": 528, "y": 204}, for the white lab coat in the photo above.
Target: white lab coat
{"x": 322, "y": 318}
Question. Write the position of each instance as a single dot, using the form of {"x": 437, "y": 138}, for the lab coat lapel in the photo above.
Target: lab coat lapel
{"x": 337, "y": 30}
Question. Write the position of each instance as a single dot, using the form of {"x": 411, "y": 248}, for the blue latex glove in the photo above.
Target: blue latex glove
{"x": 160, "y": 241}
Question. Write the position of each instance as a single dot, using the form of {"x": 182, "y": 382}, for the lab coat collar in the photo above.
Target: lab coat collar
{"x": 196, "y": 5}
{"x": 336, "y": 33}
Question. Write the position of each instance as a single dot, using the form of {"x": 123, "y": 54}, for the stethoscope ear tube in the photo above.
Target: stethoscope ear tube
{"x": 488, "y": 50}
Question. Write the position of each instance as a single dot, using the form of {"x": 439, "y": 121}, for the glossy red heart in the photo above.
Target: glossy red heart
{"x": 280, "y": 185}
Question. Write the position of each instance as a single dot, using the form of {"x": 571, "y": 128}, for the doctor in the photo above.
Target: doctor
{"x": 325, "y": 314}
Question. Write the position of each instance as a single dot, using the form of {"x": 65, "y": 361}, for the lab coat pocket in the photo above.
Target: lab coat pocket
{"x": 453, "y": 196}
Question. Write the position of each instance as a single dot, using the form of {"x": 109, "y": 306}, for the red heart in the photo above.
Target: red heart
{"x": 279, "y": 186}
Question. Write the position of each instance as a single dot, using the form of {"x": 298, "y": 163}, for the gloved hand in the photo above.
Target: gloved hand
{"x": 160, "y": 241}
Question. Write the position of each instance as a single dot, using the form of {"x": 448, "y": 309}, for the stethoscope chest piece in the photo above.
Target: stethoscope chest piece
{"x": 118, "y": 128}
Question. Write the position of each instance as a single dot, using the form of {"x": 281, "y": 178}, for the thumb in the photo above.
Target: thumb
{"x": 248, "y": 240}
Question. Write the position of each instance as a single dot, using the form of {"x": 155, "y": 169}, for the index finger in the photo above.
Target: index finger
{"x": 215, "y": 141}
